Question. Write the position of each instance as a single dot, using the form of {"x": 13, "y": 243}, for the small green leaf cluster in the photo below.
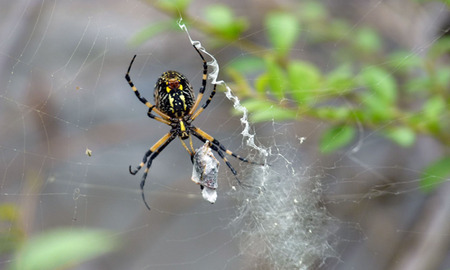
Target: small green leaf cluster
{"x": 221, "y": 22}
{"x": 368, "y": 86}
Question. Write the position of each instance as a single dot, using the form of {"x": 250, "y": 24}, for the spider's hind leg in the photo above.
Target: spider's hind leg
{"x": 153, "y": 153}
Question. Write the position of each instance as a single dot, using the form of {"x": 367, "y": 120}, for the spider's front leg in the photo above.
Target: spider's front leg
{"x": 143, "y": 99}
{"x": 151, "y": 115}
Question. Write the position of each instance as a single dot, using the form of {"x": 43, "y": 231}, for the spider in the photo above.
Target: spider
{"x": 176, "y": 106}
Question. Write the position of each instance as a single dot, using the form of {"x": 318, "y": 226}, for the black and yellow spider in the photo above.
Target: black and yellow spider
{"x": 176, "y": 106}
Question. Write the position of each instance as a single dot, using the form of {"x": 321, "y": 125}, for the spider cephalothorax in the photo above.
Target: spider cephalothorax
{"x": 176, "y": 106}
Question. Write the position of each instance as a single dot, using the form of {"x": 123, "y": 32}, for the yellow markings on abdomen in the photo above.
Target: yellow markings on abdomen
{"x": 171, "y": 100}
{"x": 184, "y": 101}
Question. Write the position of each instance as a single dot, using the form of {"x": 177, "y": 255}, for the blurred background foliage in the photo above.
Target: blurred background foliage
{"x": 369, "y": 83}
{"x": 60, "y": 248}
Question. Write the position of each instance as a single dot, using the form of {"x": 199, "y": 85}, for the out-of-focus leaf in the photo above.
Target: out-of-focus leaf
{"x": 375, "y": 109}
{"x": 440, "y": 47}
{"x": 367, "y": 40}
{"x": 11, "y": 235}
{"x": 334, "y": 113}
{"x": 313, "y": 11}
{"x": 276, "y": 78}
{"x": 436, "y": 173}
{"x": 261, "y": 83}
{"x": 175, "y": 5}
{"x": 403, "y": 60}
{"x": 418, "y": 84}
{"x": 434, "y": 107}
{"x": 304, "y": 81}
{"x": 403, "y": 136}
{"x": 11, "y": 240}
{"x": 247, "y": 64}
{"x": 150, "y": 31}
{"x": 381, "y": 84}
{"x": 61, "y": 248}
{"x": 272, "y": 114}
{"x": 8, "y": 212}
{"x": 241, "y": 86}
{"x": 223, "y": 20}
{"x": 338, "y": 29}
{"x": 219, "y": 16}
{"x": 254, "y": 105}
{"x": 283, "y": 29}
{"x": 336, "y": 137}
{"x": 340, "y": 80}
{"x": 434, "y": 115}
{"x": 266, "y": 111}
{"x": 443, "y": 77}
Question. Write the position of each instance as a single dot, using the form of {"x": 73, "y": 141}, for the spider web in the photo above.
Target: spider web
{"x": 63, "y": 92}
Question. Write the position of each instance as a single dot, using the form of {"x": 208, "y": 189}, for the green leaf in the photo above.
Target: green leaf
{"x": 436, "y": 173}
{"x": 241, "y": 86}
{"x": 340, "y": 80}
{"x": 339, "y": 114}
{"x": 336, "y": 137}
{"x": 443, "y": 77}
{"x": 150, "y": 31}
{"x": 381, "y": 84}
{"x": 367, "y": 40}
{"x": 223, "y": 20}
{"x": 9, "y": 212}
{"x": 276, "y": 78}
{"x": 267, "y": 111}
{"x": 434, "y": 107}
{"x": 403, "y": 136}
{"x": 59, "y": 249}
{"x": 439, "y": 48}
{"x": 338, "y": 30}
{"x": 304, "y": 81}
{"x": 253, "y": 105}
{"x": 175, "y": 5}
{"x": 434, "y": 115}
{"x": 247, "y": 64}
{"x": 261, "y": 83}
{"x": 12, "y": 237}
{"x": 219, "y": 16}
{"x": 404, "y": 61}
{"x": 418, "y": 84}
{"x": 283, "y": 29}
{"x": 273, "y": 114}
{"x": 375, "y": 109}
{"x": 313, "y": 11}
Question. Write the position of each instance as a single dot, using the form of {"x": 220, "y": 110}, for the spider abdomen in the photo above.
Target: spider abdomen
{"x": 173, "y": 94}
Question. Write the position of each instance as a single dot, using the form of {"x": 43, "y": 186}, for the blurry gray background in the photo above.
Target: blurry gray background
{"x": 62, "y": 90}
